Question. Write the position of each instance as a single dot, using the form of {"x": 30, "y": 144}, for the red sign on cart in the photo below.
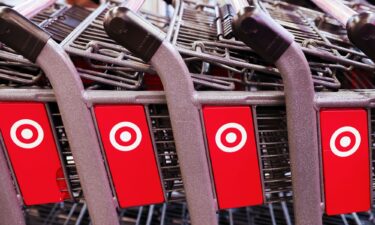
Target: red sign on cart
{"x": 130, "y": 155}
{"x": 234, "y": 158}
{"x": 346, "y": 160}
{"x": 32, "y": 151}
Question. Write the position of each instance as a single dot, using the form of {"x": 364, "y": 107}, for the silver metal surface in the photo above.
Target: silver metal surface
{"x": 81, "y": 133}
{"x": 336, "y": 9}
{"x": 302, "y": 135}
{"x": 30, "y": 8}
{"x": 10, "y": 206}
{"x": 187, "y": 130}
{"x": 133, "y": 5}
{"x": 239, "y": 4}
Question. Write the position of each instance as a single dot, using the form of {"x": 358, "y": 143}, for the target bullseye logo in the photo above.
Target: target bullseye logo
{"x": 345, "y": 141}
{"x": 27, "y": 133}
{"x": 125, "y": 136}
{"x": 231, "y": 137}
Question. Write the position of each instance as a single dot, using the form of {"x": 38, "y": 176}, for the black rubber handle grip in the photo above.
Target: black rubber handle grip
{"x": 21, "y": 34}
{"x": 261, "y": 33}
{"x": 361, "y": 32}
{"x": 133, "y": 32}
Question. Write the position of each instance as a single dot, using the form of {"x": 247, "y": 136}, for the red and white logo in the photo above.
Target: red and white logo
{"x": 128, "y": 147}
{"x": 233, "y": 154}
{"x": 345, "y": 160}
{"x": 125, "y": 136}
{"x": 27, "y": 133}
{"x": 231, "y": 137}
{"x": 345, "y": 141}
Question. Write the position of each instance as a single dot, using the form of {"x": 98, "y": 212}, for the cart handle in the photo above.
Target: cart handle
{"x": 271, "y": 41}
{"x": 360, "y": 26}
{"x": 31, "y": 7}
{"x": 259, "y": 31}
{"x": 32, "y": 42}
{"x": 149, "y": 43}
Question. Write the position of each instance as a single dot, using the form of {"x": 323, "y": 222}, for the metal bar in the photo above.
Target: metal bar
{"x": 336, "y": 9}
{"x": 302, "y": 135}
{"x": 81, "y": 133}
{"x": 187, "y": 130}
{"x": 134, "y": 5}
{"x": 10, "y": 206}
{"x": 239, "y": 4}
{"x": 31, "y": 7}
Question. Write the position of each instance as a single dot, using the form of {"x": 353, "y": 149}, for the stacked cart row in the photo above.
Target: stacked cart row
{"x": 250, "y": 112}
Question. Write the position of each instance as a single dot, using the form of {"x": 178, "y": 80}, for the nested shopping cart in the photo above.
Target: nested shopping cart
{"x": 34, "y": 137}
{"x": 130, "y": 110}
{"x": 118, "y": 83}
{"x": 335, "y": 65}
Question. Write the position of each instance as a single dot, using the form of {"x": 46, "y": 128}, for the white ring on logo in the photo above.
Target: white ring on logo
{"x": 138, "y": 133}
{"x": 220, "y": 132}
{"x": 339, "y": 131}
{"x": 16, "y": 125}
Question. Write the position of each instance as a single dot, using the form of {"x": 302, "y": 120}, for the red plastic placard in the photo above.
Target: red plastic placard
{"x": 234, "y": 157}
{"x": 130, "y": 155}
{"x": 32, "y": 150}
{"x": 346, "y": 162}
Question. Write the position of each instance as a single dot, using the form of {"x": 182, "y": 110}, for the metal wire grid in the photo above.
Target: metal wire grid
{"x": 166, "y": 150}
{"x": 189, "y": 34}
{"x": 274, "y": 153}
{"x": 324, "y": 42}
{"x": 69, "y": 213}
{"x": 91, "y": 44}
{"x": 16, "y": 71}
{"x": 106, "y": 64}
{"x": 46, "y": 13}
{"x": 215, "y": 62}
{"x": 64, "y": 148}
{"x": 121, "y": 69}
{"x": 330, "y": 55}
{"x": 90, "y": 48}
{"x": 64, "y": 21}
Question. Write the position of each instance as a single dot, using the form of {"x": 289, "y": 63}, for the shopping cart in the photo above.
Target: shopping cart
{"x": 41, "y": 127}
{"x": 336, "y": 154}
{"x": 129, "y": 107}
{"x": 329, "y": 55}
{"x": 91, "y": 44}
{"x": 338, "y": 197}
